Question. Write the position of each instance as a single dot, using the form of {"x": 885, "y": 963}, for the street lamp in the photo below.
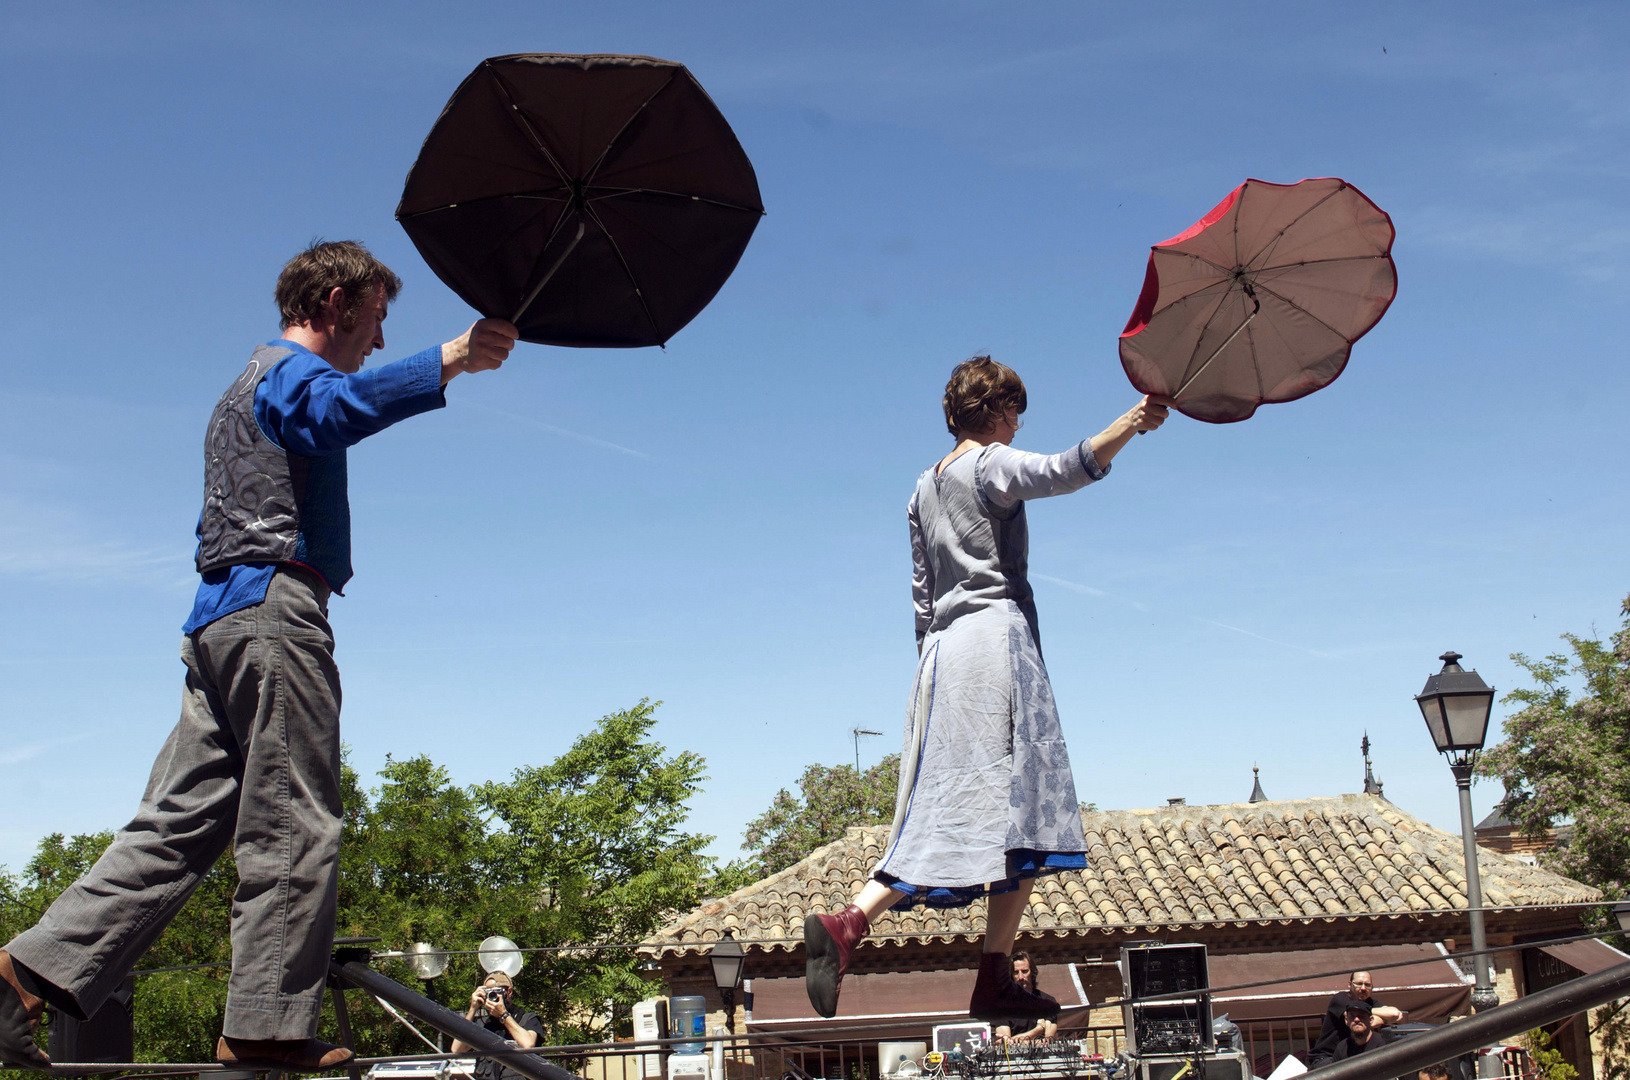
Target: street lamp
{"x": 1456, "y": 704}
{"x": 1621, "y": 912}
{"x": 728, "y": 960}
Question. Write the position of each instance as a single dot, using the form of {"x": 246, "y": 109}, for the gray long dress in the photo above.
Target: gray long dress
{"x": 986, "y": 795}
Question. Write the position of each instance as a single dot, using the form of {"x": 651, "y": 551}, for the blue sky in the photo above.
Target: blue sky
{"x": 721, "y": 525}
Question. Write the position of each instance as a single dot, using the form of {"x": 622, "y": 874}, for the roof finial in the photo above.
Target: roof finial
{"x": 1257, "y": 794}
{"x": 1372, "y": 786}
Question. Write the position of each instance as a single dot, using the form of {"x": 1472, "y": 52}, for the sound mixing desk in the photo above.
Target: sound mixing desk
{"x": 1052, "y": 1059}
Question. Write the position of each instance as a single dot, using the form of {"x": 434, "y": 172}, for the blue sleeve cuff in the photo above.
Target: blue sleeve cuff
{"x": 1089, "y": 462}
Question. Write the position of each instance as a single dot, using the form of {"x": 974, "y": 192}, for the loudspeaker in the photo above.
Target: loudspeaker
{"x": 1177, "y": 1024}
{"x": 1229, "y": 1066}
{"x": 109, "y": 1035}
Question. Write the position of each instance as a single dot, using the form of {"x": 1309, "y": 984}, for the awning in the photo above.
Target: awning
{"x": 895, "y": 1002}
{"x": 1431, "y": 989}
{"x": 1586, "y": 957}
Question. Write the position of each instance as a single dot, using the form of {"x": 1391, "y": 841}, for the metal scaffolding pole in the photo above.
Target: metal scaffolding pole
{"x": 534, "y": 1066}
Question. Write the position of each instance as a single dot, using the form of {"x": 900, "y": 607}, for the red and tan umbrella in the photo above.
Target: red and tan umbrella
{"x": 1261, "y": 299}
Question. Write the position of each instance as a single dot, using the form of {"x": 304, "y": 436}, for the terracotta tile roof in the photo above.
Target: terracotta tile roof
{"x": 1348, "y": 856}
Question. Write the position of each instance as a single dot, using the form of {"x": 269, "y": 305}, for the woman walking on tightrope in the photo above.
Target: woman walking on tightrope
{"x": 986, "y": 799}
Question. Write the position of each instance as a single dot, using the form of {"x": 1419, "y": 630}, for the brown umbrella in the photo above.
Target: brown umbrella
{"x": 591, "y": 200}
{"x": 1261, "y": 299}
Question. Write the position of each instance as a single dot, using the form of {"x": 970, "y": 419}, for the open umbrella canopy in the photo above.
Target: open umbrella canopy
{"x": 1261, "y": 299}
{"x": 596, "y": 201}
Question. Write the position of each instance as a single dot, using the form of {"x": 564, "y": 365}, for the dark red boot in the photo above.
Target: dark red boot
{"x": 828, "y": 941}
{"x": 996, "y": 995}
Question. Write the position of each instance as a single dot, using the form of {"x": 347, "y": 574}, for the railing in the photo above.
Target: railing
{"x": 850, "y": 1060}
{"x": 778, "y": 1058}
{"x": 1268, "y": 1042}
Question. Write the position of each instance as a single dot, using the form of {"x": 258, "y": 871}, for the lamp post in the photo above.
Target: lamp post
{"x": 728, "y": 960}
{"x": 1456, "y": 704}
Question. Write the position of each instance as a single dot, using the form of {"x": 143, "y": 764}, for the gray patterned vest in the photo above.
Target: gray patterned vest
{"x": 263, "y": 504}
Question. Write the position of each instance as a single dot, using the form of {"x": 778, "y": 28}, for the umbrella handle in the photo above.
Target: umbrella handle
{"x": 559, "y": 259}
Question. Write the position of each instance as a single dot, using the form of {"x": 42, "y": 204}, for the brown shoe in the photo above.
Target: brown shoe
{"x": 296, "y": 1055}
{"x": 17, "y": 1019}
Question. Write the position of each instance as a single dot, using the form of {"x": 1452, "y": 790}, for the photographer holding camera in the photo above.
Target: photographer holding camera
{"x": 490, "y": 1006}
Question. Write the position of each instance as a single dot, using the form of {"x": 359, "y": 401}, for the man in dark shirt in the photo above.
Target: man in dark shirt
{"x": 1361, "y": 1036}
{"x": 1025, "y": 1028}
{"x": 518, "y": 1028}
{"x": 1358, "y": 991}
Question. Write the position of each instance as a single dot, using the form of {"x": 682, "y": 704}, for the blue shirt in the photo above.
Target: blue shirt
{"x": 306, "y": 407}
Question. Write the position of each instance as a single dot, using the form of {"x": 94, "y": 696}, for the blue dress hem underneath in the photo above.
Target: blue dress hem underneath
{"x": 1022, "y": 864}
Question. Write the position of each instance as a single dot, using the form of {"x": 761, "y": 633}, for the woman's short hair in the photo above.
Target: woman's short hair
{"x": 979, "y": 393}
{"x": 308, "y": 278}
{"x": 1020, "y": 954}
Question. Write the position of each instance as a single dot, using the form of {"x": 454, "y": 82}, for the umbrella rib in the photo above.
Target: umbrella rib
{"x": 564, "y": 196}
{"x": 617, "y": 192}
{"x": 632, "y": 280}
{"x": 1292, "y": 223}
{"x": 516, "y": 115}
{"x": 1288, "y": 302}
{"x": 1221, "y": 269}
{"x": 1195, "y": 354}
{"x": 1238, "y": 205}
{"x": 589, "y": 173}
{"x": 1317, "y": 262}
{"x": 553, "y": 231}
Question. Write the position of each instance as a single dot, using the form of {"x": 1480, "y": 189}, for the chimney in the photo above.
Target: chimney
{"x": 1179, "y": 801}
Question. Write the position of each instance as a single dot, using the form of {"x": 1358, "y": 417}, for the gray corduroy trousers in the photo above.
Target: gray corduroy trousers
{"x": 255, "y": 763}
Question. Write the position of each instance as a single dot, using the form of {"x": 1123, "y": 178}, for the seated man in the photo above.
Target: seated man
{"x": 1025, "y": 1029}
{"x": 1362, "y": 1036}
{"x": 520, "y": 1029}
{"x": 1359, "y": 985}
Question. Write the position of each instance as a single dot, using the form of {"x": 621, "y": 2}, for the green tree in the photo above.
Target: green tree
{"x": 592, "y": 851}
{"x": 1548, "y": 1061}
{"x": 1565, "y": 758}
{"x": 829, "y": 800}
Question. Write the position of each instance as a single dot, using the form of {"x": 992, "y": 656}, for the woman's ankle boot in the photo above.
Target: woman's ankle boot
{"x": 828, "y": 941}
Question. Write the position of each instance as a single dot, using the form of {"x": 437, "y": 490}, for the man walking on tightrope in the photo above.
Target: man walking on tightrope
{"x": 255, "y": 760}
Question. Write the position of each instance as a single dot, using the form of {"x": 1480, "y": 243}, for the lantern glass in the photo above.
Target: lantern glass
{"x": 727, "y": 960}
{"x": 1436, "y": 723}
{"x": 1622, "y": 913}
{"x": 1468, "y": 716}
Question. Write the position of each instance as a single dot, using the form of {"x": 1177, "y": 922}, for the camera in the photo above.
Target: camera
{"x": 493, "y": 995}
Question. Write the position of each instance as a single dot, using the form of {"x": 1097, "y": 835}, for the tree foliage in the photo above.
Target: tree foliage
{"x": 829, "y": 800}
{"x": 586, "y": 852}
{"x": 1566, "y": 757}
{"x": 1548, "y": 1061}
